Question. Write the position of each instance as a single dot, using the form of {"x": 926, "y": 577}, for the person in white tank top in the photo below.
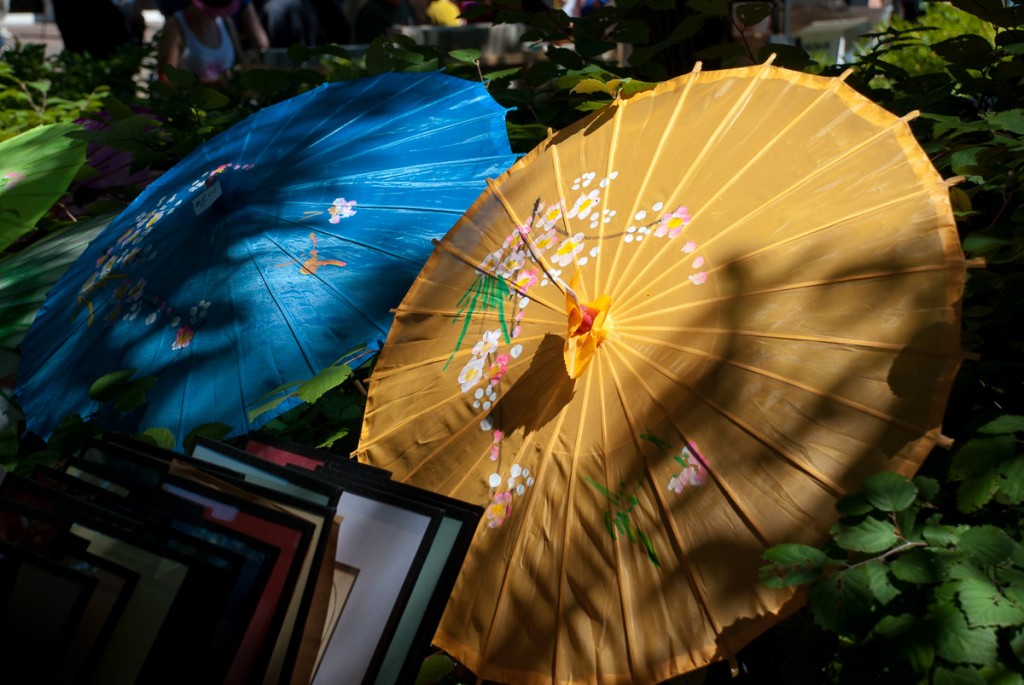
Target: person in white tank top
{"x": 202, "y": 39}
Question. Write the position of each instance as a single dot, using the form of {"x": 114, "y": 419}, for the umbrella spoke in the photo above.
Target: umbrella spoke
{"x": 675, "y": 538}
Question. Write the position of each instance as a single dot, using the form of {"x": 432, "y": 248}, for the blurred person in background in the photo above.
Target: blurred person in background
{"x": 202, "y": 39}
{"x": 251, "y": 32}
{"x": 6, "y": 37}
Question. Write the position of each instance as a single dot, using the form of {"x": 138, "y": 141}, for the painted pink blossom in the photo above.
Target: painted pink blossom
{"x": 341, "y": 209}
{"x": 499, "y": 509}
{"x": 184, "y": 338}
{"x": 498, "y": 368}
{"x": 496, "y": 445}
{"x": 672, "y": 224}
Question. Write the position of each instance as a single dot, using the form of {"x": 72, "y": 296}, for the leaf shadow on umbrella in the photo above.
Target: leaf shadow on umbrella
{"x": 807, "y": 358}
{"x": 908, "y": 372}
{"x": 241, "y": 216}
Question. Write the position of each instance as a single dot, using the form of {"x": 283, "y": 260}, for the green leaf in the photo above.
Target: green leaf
{"x": 1011, "y": 489}
{"x": 1017, "y": 645}
{"x": 977, "y": 491}
{"x": 792, "y": 564}
{"x": 500, "y": 74}
{"x": 434, "y": 669}
{"x": 927, "y": 488}
{"x": 958, "y": 642}
{"x": 966, "y": 50}
{"x": 750, "y": 13}
{"x": 106, "y": 387}
{"x": 1001, "y": 675}
{"x": 161, "y": 437}
{"x": 978, "y": 456}
{"x": 332, "y": 438}
{"x": 918, "y": 566}
{"x": 209, "y": 99}
{"x": 266, "y": 406}
{"x": 469, "y": 56}
{"x": 214, "y": 430}
{"x": 901, "y": 625}
{"x": 1008, "y": 120}
{"x": 853, "y": 504}
{"x": 942, "y": 536}
{"x": 1006, "y": 423}
{"x": 984, "y": 605}
{"x": 963, "y": 675}
{"x": 840, "y": 601}
{"x": 889, "y": 491}
{"x": 130, "y": 398}
{"x": 870, "y": 535}
{"x": 326, "y": 380}
{"x": 564, "y": 57}
{"x": 986, "y": 545}
{"x": 877, "y": 575}
{"x": 591, "y": 85}
{"x": 265, "y": 81}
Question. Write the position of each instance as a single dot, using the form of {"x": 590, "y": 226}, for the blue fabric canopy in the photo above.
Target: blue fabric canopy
{"x": 267, "y": 253}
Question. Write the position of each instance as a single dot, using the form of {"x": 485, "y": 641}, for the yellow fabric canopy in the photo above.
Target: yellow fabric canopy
{"x": 754, "y": 277}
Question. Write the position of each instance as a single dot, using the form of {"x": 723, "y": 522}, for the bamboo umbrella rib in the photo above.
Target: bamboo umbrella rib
{"x": 527, "y": 509}
{"x": 269, "y": 285}
{"x": 381, "y": 373}
{"x": 878, "y": 275}
{"x": 856, "y": 406}
{"x": 538, "y": 255}
{"x": 793, "y": 337}
{"x": 715, "y": 235}
{"x": 862, "y": 214}
{"x": 396, "y": 425}
{"x": 619, "y": 569}
{"x": 708, "y": 145}
{"x": 656, "y": 156}
{"x": 819, "y": 478}
{"x": 557, "y": 170}
{"x": 475, "y": 264}
{"x": 613, "y": 148}
{"x": 674, "y": 537}
{"x": 564, "y": 565}
{"x": 742, "y": 514}
{"x": 318, "y": 231}
{"x": 346, "y": 120}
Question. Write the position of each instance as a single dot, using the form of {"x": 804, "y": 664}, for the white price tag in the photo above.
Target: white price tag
{"x": 206, "y": 198}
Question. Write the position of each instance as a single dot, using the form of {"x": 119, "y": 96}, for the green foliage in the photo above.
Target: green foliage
{"x": 917, "y": 47}
{"x": 939, "y": 601}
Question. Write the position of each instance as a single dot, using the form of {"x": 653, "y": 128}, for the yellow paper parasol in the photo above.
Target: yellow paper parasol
{"x": 665, "y": 340}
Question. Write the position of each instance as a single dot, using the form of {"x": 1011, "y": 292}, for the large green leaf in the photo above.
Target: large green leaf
{"x": 985, "y": 605}
{"x": 792, "y": 564}
{"x": 958, "y": 642}
{"x": 840, "y": 601}
{"x": 987, "y": 545}
{"x": 919, "y": 566}
{"x": 26, "y": 276}
{"x": 36, "y": 168}
{"x": 889, "y": 491}
{"x": 870, "y": 535}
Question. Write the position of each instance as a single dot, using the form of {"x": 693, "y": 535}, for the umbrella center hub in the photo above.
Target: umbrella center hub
{"x": 589, "y": 326}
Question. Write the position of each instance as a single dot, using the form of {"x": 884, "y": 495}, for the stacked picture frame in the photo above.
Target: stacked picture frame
{"x": 258, "y": 563}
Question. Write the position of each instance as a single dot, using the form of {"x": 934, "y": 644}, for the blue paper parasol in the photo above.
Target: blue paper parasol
{"x": 267, "y": 253}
